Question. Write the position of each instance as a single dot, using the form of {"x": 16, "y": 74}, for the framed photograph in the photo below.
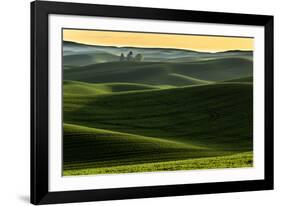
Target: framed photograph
{"x": 131, "y": 102}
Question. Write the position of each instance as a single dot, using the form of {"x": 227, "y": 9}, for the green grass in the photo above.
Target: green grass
{"x": 74, "y": 88}
{"x": 78, "y": 88}
{"x": 128, "y": 131}
{"x": 84, "y": 147}
{"x": 231, "y": 161}
{"x": 163, "y": 73}
{"x": 175, "y": 110}
{"x": 82, "y": 59}
{"x": 243, "y": 79}
{"x": 192, "y": 80}
{"x": 216, "y": 113}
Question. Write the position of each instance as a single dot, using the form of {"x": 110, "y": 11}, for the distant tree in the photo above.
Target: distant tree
{"x": 138, "y": 58}
{"x": 122, "y": 58}
{"x": 130, "y": 56}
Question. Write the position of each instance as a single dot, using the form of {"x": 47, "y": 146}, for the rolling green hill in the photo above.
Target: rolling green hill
{"x": 172, "y": 124}
{"x": 99, "y": 148}
{"x": 86, "y": 148}
{"x": 162, "y": 73}
{"x": 73, "y": 87}
{"x": 201, "y": 112}
{"x": 78, "y": 88}
{"x": 239, "y": 160}
{"x": 244, "y": 79}
{"x": 175, "y": 109}
{"x": 88, "y": 58}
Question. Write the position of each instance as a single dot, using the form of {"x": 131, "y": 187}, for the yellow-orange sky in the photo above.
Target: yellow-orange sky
{"x": 137, "y": 39}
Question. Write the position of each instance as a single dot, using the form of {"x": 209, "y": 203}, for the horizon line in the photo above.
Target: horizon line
{"x": 146, "y": 47}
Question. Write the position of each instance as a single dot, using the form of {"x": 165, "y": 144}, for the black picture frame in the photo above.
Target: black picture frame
{"x": 39, "y": 102}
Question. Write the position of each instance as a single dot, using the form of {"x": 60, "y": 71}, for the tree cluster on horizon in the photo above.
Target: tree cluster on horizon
{"x": 130, "y": 57}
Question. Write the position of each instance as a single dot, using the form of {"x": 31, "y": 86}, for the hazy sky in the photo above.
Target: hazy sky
{"x": 193, "y": 42}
